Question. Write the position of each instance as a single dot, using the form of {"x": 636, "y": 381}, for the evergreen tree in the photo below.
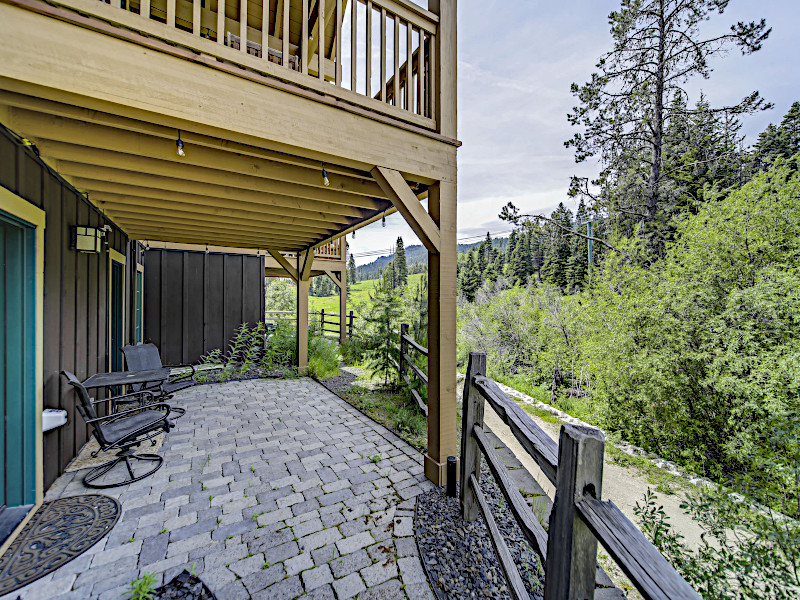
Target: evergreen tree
{"x": 519, "y": 263}
{"x": 400, "y": 266}
{"x": 351, "y": 270}
{"x": 469, "y": 278}
{"x": 782, "y": 141}
{"x": 624, "y": 110}
{"x": 557, "y": 247}
{"x": 383, "y": 321}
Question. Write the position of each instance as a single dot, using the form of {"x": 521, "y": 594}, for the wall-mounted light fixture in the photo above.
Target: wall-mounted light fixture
{"x": 89, "y": 239}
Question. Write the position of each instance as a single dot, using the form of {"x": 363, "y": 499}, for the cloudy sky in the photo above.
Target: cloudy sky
{"x": 516, "y": 61}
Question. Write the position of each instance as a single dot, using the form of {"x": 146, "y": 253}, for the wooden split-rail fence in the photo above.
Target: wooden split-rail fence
{"x": 324, "y": 319}
{"x": 406, "y": 365}
{"x": 579, "y": 519}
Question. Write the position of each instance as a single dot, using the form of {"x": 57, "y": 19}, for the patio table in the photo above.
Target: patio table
{"x": 99, "y": 380}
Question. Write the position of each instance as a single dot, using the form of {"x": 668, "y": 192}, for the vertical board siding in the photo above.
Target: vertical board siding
{"x": 205, "y": 297}
{"x": 75, "y": 297}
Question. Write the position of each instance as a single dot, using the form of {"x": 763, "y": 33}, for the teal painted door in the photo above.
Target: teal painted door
{"x": 117, "y": 324}
{"x": 17, "y": 363}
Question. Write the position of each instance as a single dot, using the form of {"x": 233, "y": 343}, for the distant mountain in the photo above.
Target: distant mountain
{"x": 414, "y": 255}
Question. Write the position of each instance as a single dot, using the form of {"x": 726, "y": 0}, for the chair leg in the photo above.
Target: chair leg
{"x": 124, "y": 456}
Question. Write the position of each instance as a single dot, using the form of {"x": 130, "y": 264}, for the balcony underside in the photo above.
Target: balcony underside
{"x": 106, "y": 114}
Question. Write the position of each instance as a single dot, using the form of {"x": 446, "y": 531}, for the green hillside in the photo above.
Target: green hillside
{"x": 359, "y": 292}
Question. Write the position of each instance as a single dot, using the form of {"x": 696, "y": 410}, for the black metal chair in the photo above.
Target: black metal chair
{"x": 143, "y": 357}
{"x": 122, "y": 431}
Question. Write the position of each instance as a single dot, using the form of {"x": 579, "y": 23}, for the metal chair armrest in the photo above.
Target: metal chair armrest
{"x": 130, "y": 411}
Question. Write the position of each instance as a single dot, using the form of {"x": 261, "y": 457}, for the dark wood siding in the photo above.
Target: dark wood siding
{"x": 75, "y": 291}
{"x": 194, "y": 301}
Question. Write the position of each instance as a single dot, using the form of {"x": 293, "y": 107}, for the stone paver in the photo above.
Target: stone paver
{"x": 267, "y": 491}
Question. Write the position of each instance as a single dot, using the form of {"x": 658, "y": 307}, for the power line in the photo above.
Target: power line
{"x": 471, "y": 238}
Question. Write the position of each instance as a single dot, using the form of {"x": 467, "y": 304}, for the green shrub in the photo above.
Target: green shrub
{"x": 323, "y": 357}
{"x": 353, "y": 350}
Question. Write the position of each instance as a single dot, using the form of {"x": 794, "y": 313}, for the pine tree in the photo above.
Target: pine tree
{"x": 351, "y": 270}
{"x": 470, "y": 278}
{"x": 400, "y": 266}
{"x": 557, "y": 249}
{"x": 782, "y": 141}
{"x": 382, "y": 320}
{"x": 624, "y": 111}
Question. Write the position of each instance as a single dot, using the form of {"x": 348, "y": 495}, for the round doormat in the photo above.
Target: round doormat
{"x": 59, "y": 531}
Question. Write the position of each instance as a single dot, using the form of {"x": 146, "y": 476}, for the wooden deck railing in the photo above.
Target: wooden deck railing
{"x": 405, "y": 361}
{"x": 579, "y": 519}
{"x": 376, "y": 54}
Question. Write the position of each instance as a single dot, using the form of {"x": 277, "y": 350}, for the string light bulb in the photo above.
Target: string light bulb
{"x": 354, "y": 234}
{"x": 383, "y": 220}
{"x": 325, "y": 176}
{"x": 179, "y": 144}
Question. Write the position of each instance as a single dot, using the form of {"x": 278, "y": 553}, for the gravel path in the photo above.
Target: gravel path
{"x": 458, "y": 555}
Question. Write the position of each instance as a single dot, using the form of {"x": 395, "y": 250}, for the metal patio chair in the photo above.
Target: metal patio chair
{"x": 122, "y": 431}
{"x": 143, "y": 357}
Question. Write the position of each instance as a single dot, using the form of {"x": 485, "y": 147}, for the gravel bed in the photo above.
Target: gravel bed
{"x": 348, "y": 375}
{"x": 458, "y": 555}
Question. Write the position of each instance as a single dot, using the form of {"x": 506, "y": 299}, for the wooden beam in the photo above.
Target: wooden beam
{"x": 397, "y": 190}
{"x": 87, "y": 172}
{"x": 115, "y": 168}
{"x": 277, "y": 26}
{"x": 134, "y": 221}
{"x": 173, "y": 216}
{"x": 304, "y": 262}
{"x": 70, "y": 139}
{"x": 154, "y": 196}
{"x": 184, "y": 238}
{"x": 335, "y": 277}
{"x": 191, "y": 139}
{"x": 287, "y": 266}
{"x": 210, "y": 208}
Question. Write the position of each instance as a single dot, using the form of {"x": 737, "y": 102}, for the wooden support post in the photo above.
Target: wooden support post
{"x": 403, "y": 349}
{"x": 471, "y": 415}
{"x": 571, "y": 546}
{"x": 285, "y": 33}
{"x": 321, "y": 39}
{"x": 171, "y": 13}
{"x": 221, "y": 22}
{"x": 322, "y": 320}
{"x": 196, "y": 9}
{"x": 144, "y": 9}
{"x": 302, "y": 325}
{"x": 243, "y": 26}
{"x": 442, "y": 292}
{"x": 304, "y": 39}
{"x": 342, "y": 309}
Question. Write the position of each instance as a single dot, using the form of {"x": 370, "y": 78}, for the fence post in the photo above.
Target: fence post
{"x": 322, "y": 321}
{"x": 350, "y": 329}
{"x": 571, "y": 547}
{"x": 403, "y": 349}
{"x": 471, "y": 415}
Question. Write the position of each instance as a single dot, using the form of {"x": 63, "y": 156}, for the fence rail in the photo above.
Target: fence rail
{"x": 290, "y": 315}
{"x": 579, "y": 519}
{"x": 406, "y": 342}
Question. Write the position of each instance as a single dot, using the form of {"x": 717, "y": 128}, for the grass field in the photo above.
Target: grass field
{"x": 359, "y": 292}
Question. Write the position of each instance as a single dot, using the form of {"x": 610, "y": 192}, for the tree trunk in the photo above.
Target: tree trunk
{"x": 658, "y": 121}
